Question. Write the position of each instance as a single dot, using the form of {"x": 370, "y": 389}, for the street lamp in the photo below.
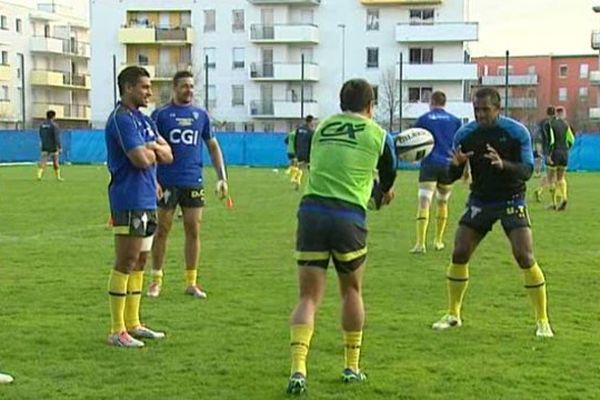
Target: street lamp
{"x": 343, "y": 27}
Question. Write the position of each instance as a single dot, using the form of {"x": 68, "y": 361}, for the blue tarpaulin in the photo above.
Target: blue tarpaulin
{"x": 256, "y": 149}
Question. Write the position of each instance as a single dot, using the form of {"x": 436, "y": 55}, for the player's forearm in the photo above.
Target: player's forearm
{"x": 517, "y": 170}
{"x": 455, "y": 172}
{"x": 216, "y": 155}
{"x": 386, "y": 168}
{"x": 164, "y": 154}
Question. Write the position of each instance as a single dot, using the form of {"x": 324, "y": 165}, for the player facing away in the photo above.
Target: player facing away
{"x": 433, "y": 174}
{"x": 499, "y": 151}
{"x": 346, "y": 150}
{"x": 557, "y": 139}
{"x": 134, "y": 147}
{"x": 184, "y": 127}
{"x": 301, "y": 140}
{"x": 51, "y": 147}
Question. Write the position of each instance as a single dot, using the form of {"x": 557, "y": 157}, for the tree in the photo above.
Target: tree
{"x": 389, "y": 99}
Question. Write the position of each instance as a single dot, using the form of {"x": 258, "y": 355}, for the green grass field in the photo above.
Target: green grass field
{"x": 55, "y": 255}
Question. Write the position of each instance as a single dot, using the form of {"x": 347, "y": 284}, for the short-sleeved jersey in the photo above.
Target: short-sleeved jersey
{"x": 512, "y": 142}
{"x": 184, "y": 128}
{"x": 443, "y": 127}
{"x": 302, "y": 140}
{"x": 557, "y": 135}
{"x": 345, "y": 151}
{"x": 130, "y": 187}
{"x": 49, "y": 135}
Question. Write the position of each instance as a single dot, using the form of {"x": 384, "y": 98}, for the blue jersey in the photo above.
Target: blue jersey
{"x": 443, "y": 127}
{"x": 184, "y": 128}
{"x": 130, "y": 188}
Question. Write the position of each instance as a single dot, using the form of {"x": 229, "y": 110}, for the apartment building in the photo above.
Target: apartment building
{"x": 45, "y": 53}
{"x": 535, "y": 82}
{"x": 270, "y": 62}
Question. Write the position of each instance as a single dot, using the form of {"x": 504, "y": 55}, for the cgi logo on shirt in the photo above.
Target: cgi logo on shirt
{"x": 183, "y": 136}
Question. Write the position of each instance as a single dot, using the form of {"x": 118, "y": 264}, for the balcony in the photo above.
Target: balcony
{"x": 285, "y": 109}
{"x": 401, "y": 2}
{"x": 143, "y": 34}
{"x": 459, "y": 108}
{"x": 513, "y": 80}
{"x": 285, "y": 33}
{"x": 595, "y": 77}
{"x": 437, "y": 32}
{"x": 438, "y": 72}
{"x": 595, "y": 113}
{"x": 5, "y": 72}
{"x": 283, "y": 72}
{"x": 521, "y": 102}
{"x": 285, "y": 2}
{"x": 80, "y": 112}
{"x": 596, "y": 40}
{"x": 74, "y": 48}
{"x": 60, "y": 80}
{"x": 7, "y": 110}
{"x": 165, "y": 72}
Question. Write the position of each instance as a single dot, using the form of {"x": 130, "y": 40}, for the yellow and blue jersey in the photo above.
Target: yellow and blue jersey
{"x": 184, "y": 128}
{"x": 130, "y": 187}
{"x": 443, "y": 126}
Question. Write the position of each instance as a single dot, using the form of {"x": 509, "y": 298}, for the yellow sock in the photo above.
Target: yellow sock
{"x": 293, "y": 173}
{"x": 553, "y": 195}
{"x": 300, "y": 336}
{"x": 422, "y": 221}
{"x": 458, "y": 280}
{"x": 352, "y": 342}
{"x": 157, "y": 276}
{"x": 132, "y": 301}
{"x": 40, "y": 173}
{"x": 299, "y": 175}
{"x": 442, "y": 219}
{"x": 190, "y": 277}
{"x": 57, "y": 173}
{"x": 536, "y": 287}
{"x": 563, "y": 188}
{"x": 117, "y": 290}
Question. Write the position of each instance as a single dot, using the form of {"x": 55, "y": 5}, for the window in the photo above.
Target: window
{"x": 4, "y": 92}
{"x": 212, "y": 96}
{"x": 237, "y": 95}
{"x": 4, "y": 57}
{"x": 142, "y": 59}
{"x": 4, "y": 22}
{"x": 375, "y": 94}
{"x": 563, "y": 71}
{"x": 421, "y": 16}
{"x": 237, "y": 20}
{"x": 373, "y": 19}
{"x": 419, "y": 94}
{"x": 562, "y": 94}
{"x": 583, "y": 92}
{"x": 531, "y": 70}
{"x": 18, "y": 25}
{"x": 186, "y": 19}
{"x": 209, "y": 20}
{"x": 211, "y": 53}
{"x": 502, "y": 70}
{"x": 238, "y": 57}
{"x": 372, "y": 57}
{"x": 584, "y": 70}
{"x": 421, "y": 56}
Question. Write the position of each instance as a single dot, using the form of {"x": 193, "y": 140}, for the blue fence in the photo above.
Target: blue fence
{"x": 253, "y": 149}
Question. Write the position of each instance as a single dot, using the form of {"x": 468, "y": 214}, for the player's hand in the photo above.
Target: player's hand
{"x": 222, "y": 189}
{"x": 159, "y": 192}
{"x": 387, "y": 197}
{"x": 494, "y": 157}
{"x": 152, "y": 145}
{"x": 459, "y": 158}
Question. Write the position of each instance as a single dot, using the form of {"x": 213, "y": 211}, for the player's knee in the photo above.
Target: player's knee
{"x": 443, "y": 196}
{"x": 525, "y": 259}
{"x": 191, "y": 228}
{"x": 461, "y": 253}
{"x": 425, "y": 197}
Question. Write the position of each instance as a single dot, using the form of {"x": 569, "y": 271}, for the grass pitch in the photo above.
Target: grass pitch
{"x": 55, "y": 256}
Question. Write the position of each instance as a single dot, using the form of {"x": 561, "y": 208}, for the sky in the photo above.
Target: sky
{"x": 532, "y": 27}
{"x": 524, "y": 27}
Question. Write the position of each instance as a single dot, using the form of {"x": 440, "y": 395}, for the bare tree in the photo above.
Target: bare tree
{"x": 389, "y": 99}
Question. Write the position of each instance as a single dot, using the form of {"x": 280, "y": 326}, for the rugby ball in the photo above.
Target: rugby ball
{"x": 413, "y": 144}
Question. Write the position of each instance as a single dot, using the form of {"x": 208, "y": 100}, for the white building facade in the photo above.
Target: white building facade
{"x": 256, "y": 78}
{"x": 45, "y": 51}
